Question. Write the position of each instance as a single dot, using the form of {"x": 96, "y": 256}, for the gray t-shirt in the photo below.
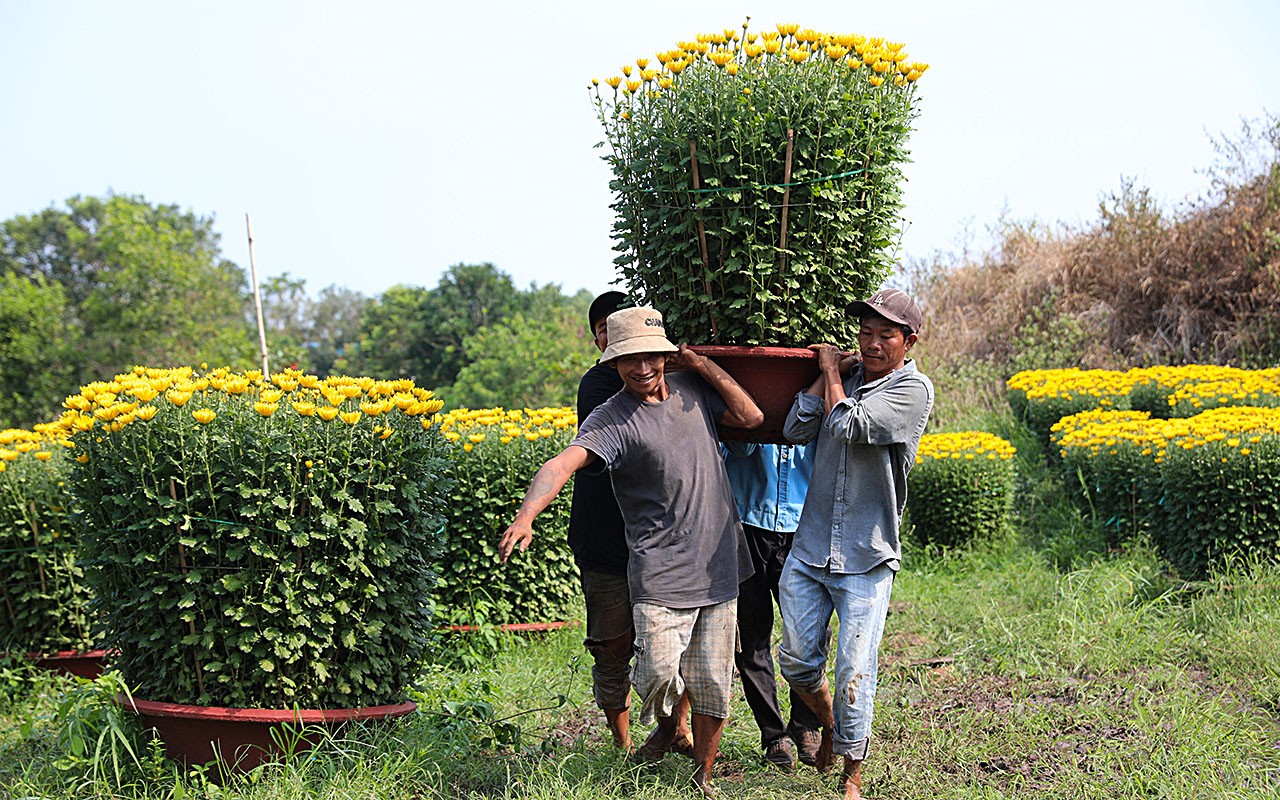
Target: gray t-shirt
{"x": 686, "y": 543}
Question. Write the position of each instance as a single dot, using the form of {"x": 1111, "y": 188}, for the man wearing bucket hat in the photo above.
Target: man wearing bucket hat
{"x": 598, "y": 540}
{"x": 846, "y": 549}
{"x": 657, "y": 440}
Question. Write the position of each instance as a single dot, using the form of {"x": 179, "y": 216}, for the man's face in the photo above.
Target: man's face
{"x": 642, "y": 374}
{"x": 602, "y": 334}
{"x": 883, "y": 346}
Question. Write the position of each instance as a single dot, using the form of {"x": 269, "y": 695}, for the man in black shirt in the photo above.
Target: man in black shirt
{"x": 599, "y": 544}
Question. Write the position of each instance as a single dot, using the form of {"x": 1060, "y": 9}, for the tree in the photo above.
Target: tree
{"x": 419, "y": 333}
{"x": 335, "y": 329}
{"x": 531, "y": 359}
{"x": 37, "y": 350}
{"x": 144, "y": 284}
{"x": 285, "y": 317}
{"x": 393, "y": 336}
{"x": 468, "y": 297}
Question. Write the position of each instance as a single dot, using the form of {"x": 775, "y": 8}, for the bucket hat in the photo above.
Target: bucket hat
{"x": 636, "y": 330}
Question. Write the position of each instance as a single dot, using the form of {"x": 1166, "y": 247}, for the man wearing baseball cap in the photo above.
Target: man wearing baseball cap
{"x": 657, "y": 441}
{"x": 846, "y": 548}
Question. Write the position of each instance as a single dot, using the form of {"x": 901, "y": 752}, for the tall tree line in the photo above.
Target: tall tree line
{"x": 106, "y": 283}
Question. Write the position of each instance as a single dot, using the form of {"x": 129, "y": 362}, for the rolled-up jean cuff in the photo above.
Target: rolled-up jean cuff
{"x": 814, "y": 689}
{"x": 857, "y": 751}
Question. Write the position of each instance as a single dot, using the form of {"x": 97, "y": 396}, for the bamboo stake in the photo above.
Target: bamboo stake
{"x": 182, "y": 562}
{"x": 702, "y": 241}
{"x": 257, "y": 300}
{"x": 35, "y": 540}
{"x": 786, "y": 198}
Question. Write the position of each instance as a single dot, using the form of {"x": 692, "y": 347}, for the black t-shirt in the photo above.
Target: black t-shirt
{"x": 597, "y": 535}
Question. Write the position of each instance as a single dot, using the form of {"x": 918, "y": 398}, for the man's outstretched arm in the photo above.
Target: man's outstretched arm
{"x": 551, "y": 478}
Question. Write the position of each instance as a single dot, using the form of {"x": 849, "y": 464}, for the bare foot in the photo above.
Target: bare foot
{"x": 825, "y": 758}
{"x": 682, "y": 744}
{"x": 851, "y": 780}
{"x": 702, "y": 780}
{"x": 655, "y": 747}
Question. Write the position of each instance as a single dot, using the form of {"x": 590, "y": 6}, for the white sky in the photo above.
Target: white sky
{"x": 377, "y": 143}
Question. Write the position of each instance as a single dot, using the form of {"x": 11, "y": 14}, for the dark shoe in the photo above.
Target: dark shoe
{"x": 807, "y": 744}
{"x": 779, "y": 755}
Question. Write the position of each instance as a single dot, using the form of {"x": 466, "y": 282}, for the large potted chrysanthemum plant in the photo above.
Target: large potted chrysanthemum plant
{"x": 45, "y": 614}
{"x": 261, "y": 549}
{"x": 757, "y": 183}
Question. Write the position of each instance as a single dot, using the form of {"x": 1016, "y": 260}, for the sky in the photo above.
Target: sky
{"x": 378, "y": 143}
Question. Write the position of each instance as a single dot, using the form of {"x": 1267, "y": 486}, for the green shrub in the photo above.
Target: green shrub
{"x": 1218, "y": 501}
{"x": 44, "y": 594}
{"x": 1107, "y": 479}
{"x": 260, "y": 543}
{"x": 494, "y": 457}
{"x": 961, "y": 488}
{"x": 1204, "y": 487}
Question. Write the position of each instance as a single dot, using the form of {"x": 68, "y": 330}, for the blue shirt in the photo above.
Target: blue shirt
{"x": 865, "y": 448}
{"x": 769, "y": 482}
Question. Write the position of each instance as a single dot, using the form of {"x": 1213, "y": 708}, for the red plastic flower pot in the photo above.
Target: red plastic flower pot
{"x": 85, "y": 663}
{"x": 241, "y": 738}
{"x": 772, "y": 376}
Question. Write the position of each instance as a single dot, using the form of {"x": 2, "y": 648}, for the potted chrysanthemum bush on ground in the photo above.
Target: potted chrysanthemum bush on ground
{"x": 259, "y": 543}
{"x": 44, "y": 598}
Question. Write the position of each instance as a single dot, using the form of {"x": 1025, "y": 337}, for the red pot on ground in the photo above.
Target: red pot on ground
{"x": 85, "y": 663}
{"x": 772, "y": 376}
{"x": 241, "y": 738}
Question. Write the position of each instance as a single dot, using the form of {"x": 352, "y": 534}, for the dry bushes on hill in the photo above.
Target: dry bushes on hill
{"x": 1138, "y": 286}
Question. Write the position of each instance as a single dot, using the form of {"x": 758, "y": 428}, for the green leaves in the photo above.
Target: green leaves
{"x": 286, "y": 542}
{"x": 952, "y": 502}
{"x": 44, "y": 597}
{"x": 717, "y": 258}
{"x": 538, "y": 585}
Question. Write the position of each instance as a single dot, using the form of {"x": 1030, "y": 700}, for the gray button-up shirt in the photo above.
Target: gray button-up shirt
{"x": 866, "y": 446}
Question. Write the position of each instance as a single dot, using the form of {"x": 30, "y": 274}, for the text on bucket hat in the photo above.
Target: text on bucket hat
{"x": 636, "y": 330}
{"x": 893, "y": 305}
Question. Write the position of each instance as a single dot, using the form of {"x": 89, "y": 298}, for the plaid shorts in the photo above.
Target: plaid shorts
{"x": 680, "y": 650}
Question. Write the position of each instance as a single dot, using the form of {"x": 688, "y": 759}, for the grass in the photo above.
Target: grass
{"x": 1032, "y": 665}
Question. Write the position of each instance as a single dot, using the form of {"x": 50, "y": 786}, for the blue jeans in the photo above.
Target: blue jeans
{"x": 808, "y": 596}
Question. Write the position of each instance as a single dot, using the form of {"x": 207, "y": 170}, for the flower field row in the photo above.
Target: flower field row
{"x": 961, "y": 487}
{"x": 494, "y": 456}
{"x": 1189, "y": 456}
{"x": 45, "y": 600}
{"x": 1042, "y": 397}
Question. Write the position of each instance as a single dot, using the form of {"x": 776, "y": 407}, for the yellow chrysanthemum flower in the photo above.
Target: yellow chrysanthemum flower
{"x": 203, "y": 415}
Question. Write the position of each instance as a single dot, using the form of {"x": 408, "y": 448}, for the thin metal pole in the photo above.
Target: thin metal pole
{"x": 257, "y": 299}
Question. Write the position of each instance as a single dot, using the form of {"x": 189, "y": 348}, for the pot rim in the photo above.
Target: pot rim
{"x": 67, "y": 654}
{"x": 714, "y": 350}
{"x": 156, "y": 708}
